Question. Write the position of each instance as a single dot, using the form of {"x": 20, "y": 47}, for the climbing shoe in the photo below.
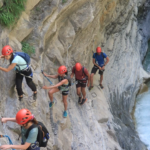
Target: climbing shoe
{"x": 90, "y": 88}
{"x": 101, "y": 86}
{"x": 65, "y": 114}
{"x": 51, "y": 104}
{"x": 83, "y": 101}
{"x": 20, "y": 99}
{"x": 80, "y": 100}
{"x": 34, "y": 96}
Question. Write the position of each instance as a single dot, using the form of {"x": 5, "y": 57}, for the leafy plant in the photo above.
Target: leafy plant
{"x": 38, "y": 9}
{"x": 27, "y": 48}
{"x": 64, "y": 1}
{"x": 11, "y": 11}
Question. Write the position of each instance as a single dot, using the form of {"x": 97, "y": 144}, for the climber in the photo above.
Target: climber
{"x": 29, "y": 131}
{"x": 81, "y": 76}
{"x": 99, "y": 63}
{"x": 63, "y": 86}
{"x": 22, "y": 70}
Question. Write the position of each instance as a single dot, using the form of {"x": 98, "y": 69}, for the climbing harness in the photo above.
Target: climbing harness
{"x": 83, "y": 79}
{"x": 25, "y": 75}
{"x": 27, "y": 69}
{"x": 65, "y": 77}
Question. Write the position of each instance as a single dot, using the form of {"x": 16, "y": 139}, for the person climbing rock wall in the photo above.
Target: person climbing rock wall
{"x": 18, "y": 61}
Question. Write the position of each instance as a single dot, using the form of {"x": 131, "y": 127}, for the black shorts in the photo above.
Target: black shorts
{"x": 80, "y": 84}
{"x": 65, "y": 93}
{"x": 95, "y": 68}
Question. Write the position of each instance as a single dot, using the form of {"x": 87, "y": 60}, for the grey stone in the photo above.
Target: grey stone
{"x": 103, "y": 120}
{"x": 123, "y": 36}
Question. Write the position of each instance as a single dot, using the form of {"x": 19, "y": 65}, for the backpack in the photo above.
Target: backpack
{"x": 66, "y": 77}
{"x": 42, "y": 133}
{"x": 69, "y": 80}
{"x": 101, "y": 53}
{"x": 25, "y": 56}
{"x": 82, "y": 73}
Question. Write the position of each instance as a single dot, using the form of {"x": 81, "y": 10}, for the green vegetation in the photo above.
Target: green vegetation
{"x": 11, "y": 11}
{"x": 27, "y": 48}
{"x": 64, "y": 1}
{"x": 38, "y": 9}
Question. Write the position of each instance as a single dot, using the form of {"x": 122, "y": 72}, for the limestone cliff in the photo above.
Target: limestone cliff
{"x": 64, "y": 32}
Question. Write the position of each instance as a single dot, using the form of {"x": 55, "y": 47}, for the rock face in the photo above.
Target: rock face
{"x": 65, "y": 32}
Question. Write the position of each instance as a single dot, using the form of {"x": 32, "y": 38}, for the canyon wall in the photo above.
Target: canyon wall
{"x": 63, "y": 33}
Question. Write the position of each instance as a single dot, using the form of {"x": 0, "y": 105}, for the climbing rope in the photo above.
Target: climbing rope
{"x": 47, "y": 78}
{"x": 4, "y": 127}
{"x": 10, "y": 142}
{"x": 8, "y": 138}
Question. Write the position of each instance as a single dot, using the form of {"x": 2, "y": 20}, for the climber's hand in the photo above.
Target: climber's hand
{"x": 3, "y": 120}
{"x": 45, "y": 74}
{"x": 45, "y": 87}
{"x": 5, "y": 147}
{"x": 103, "y": 67}
{"x": 100, "y": 68}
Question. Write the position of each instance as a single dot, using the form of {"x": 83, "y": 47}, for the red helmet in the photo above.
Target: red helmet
{"x": 7, "y": 50}
{"x": 98, "y": 50}
{"x": 78, "y": 66}
{"x": 62, "y": 69}
{"x": 23, "y": 116}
